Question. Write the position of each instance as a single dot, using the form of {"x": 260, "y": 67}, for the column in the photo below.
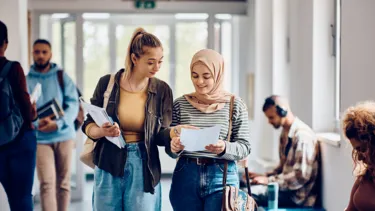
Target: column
{"x": 280, "y": 53}
{"x": 263, "y": 135}
{"x": 14, "y": 15}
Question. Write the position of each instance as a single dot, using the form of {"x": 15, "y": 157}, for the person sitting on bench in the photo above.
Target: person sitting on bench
{"x": 298, "y": 171}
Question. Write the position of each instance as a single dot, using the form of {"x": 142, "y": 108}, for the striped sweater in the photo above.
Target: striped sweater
{"x": 238, "y": 147}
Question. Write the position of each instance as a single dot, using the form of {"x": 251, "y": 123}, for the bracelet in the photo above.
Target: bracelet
{"x": 88, "y": 130}
{"x": 176, "y": 131}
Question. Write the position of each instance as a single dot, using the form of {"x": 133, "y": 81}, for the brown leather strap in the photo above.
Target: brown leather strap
{"x": 203, "y": 161}
{"x": 60, "y": 78}
{"x": 107, "y": 93}
{"x": 231, "y": 105}
{"x": 248, "y": 181}
{"x": 226, "y": 162}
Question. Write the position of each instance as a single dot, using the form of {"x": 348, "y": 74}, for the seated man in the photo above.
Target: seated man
{"x": 298, "y": 172}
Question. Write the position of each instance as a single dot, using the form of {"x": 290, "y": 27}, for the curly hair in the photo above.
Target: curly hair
{"x": 359, "y": 124}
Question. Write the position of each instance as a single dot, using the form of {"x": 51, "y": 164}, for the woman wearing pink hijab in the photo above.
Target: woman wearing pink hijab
{"x": 198, "y": 176}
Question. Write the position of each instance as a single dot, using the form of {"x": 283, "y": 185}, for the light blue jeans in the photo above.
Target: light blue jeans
{"x": 126, "y": 193}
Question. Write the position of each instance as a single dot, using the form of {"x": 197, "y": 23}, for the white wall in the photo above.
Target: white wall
{"x": 357, "y": 51}
{"x": 263, "y": 136}
{"x": 310, "y": 75}
{"x": 304, "y": 72}
{"x": 357, "y": 74}
{"x": 14, "y": 15}
{"x": 337, "y": 176}
{"x": 280, "y": 33}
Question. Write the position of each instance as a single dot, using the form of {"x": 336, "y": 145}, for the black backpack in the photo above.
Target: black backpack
{"x": 11, "y": 119}
{"x": 81, "y": 115}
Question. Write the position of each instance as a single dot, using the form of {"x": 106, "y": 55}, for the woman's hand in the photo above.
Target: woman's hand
{"x": 176, "y": 145}
{"x": 110, "y": 130}
{"x": 217, "y": 148}
{"x": 34, "y": 113}
{"x": 176, "y": 130}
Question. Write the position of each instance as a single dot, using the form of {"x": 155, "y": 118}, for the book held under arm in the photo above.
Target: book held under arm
{"x": 51, "y": 109}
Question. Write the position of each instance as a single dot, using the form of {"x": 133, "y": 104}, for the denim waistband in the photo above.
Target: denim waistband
{"x": 136, "y": 146}
{"x": 205, "y": 161}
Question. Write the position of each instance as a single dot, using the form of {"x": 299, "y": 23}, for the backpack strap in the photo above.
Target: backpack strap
{"x": 60, "y": 78}
{"x": 5, "y": 70}
{"x": 108, "y": 92}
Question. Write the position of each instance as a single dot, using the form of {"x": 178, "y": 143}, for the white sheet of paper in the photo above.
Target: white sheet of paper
{"x": 197, "y": 140}
{"x": 100, "y": 117}
{"x": 37, "y": 92}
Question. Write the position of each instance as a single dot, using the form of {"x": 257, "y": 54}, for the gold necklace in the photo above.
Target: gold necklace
{"x": 130, "y": 85}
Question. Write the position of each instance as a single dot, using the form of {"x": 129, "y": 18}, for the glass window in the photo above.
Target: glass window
{"x": 226, "y": 51}
{"x": 190, "y": 38}
{"x": 59, "y": 30}
{"x": 50, "y": 29}
{"x": 56, "y": 42}
{"x": 95, "y": 55}
{"x": 69, "y": 50}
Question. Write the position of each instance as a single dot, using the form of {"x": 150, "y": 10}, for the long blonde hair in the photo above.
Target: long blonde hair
{"x": 139, "y": 40}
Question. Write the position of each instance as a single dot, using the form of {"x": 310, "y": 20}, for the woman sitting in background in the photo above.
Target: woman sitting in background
{"x": 359, "y": 128}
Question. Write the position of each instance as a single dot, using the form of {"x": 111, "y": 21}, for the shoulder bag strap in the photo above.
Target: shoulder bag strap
{"x": 228, "y": 139}
{"x": 108, "y": 92}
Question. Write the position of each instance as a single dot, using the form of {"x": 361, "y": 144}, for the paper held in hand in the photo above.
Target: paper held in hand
{"x": 197, "y": 140}
{"x": 37, "y": 92}
{"x": 100, "y": 117}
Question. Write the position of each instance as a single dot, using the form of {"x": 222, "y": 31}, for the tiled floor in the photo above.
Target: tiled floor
{"x": 85, "y": 205}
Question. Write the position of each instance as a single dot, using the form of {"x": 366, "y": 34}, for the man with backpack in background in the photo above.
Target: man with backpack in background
{"x": 17, "y": 137}
{"x": 54, "y": 136}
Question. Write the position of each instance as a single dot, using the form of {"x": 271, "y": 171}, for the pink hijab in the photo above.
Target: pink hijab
{"x": 217, "y": 97}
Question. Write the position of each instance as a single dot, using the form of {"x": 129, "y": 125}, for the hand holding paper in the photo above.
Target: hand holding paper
{"x": 197, "y": 140}
{"x": 176, "y": 145}
{"x": 37, "y": 92}
{"x": 217, "y": 148}
{"x": 101, "y": 118}
{"x": 111, "y": 130}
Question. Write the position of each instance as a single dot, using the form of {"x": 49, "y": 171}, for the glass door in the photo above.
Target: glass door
{"x": 60, "y": 30}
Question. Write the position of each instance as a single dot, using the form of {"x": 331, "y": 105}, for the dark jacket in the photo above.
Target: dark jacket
{"x": 158, "y": 118}
{"x": 17, "y": 81}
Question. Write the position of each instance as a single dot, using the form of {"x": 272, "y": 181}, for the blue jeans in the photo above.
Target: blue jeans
{"x": 126, "y": 193}
{"x": 17, "y": 167}
{"x": 200, "y": 187}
